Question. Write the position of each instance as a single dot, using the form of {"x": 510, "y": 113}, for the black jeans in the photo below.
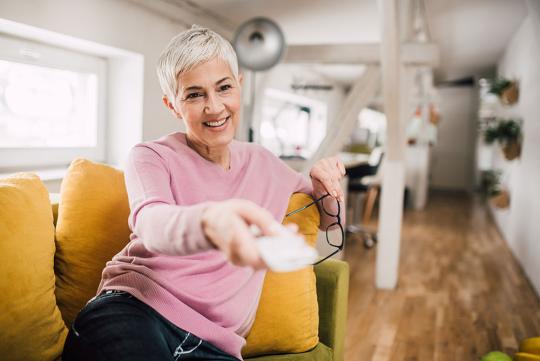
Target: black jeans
{"x": 117, "y": 326}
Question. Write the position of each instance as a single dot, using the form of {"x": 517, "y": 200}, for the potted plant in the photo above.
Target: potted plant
{"x": 491, "y": 186}
{"x": 501, "y": 200}
{"x": 506, "y": 132}
{"x": 507, "y": 90}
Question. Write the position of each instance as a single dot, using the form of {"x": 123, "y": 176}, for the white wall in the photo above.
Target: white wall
{"x": 115, "y": 23}
{"x": 519, "y": 223}
{"x": 452, "y": 158}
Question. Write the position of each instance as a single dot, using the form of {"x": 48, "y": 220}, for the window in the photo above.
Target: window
{"x": 51, "y": 105}
{"x": 292, "y": 125}
{"x": 370, "y": 130}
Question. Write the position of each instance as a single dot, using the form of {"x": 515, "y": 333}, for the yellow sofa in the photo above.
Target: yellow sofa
{"x": 331, "y": 284}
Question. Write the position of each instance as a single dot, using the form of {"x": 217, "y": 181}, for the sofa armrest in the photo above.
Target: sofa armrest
{"x": 332, "y": 295}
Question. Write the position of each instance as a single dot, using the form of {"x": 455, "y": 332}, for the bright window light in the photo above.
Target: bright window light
{"x": 46, "y": 107}
{"x": 292, "y": 125}
{"x": 370, "y": 128}
{"x": 52, "y": 105}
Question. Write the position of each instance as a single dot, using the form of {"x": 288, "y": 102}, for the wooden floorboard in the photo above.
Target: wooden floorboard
{"x": 460, "y": 293}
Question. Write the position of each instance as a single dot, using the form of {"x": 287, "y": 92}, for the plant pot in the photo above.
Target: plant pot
{"x": 511, "y": 150}
{"x": 501, "y": 200}
{"x": 510, "y": 94}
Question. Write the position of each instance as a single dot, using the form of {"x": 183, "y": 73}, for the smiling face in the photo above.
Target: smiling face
{"x": 208, "y": 101}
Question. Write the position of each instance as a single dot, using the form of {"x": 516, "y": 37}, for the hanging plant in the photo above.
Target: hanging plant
{"x": 490, "y": 182}
{"x": 512, "y": 150}
{"x": 491, "y": 185}
{"x": 506, "y": 132}
{"x": 507, "y": 90}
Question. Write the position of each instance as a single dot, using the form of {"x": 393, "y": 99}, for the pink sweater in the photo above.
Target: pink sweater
{"x": 168, "y": 263}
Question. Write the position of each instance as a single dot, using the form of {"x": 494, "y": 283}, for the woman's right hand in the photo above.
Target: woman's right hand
{"x": 226, "y": 224}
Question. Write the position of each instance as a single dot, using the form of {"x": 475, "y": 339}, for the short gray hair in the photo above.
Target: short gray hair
{"x": 189, "y": 49}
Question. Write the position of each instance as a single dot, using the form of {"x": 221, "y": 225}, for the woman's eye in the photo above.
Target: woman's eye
{"x": 193, "y": 95}
{"x": 225, "y": 87}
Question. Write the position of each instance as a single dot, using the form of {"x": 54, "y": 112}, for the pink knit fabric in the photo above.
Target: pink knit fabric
{"x": 168, "y": 263}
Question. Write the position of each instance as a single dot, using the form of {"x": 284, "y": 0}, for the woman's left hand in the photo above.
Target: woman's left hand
{"x": 326, "y": 175}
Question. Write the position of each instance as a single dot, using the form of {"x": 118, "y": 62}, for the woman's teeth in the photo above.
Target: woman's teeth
{"x": 217, "y": 123}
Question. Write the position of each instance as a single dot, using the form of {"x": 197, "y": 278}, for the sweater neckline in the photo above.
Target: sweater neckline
{"x": 232, "y": 161}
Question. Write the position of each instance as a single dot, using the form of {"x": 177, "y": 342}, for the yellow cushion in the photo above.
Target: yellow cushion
{"x": 287, "y": 320}
{"x": 92, "y": 227}
{"x": 30, "y": 322}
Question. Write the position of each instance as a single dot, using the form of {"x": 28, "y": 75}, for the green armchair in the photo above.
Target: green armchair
{"x": 332, "y": 294}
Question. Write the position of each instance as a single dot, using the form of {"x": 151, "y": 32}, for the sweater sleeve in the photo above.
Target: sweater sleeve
{"x": 162, "y": 225}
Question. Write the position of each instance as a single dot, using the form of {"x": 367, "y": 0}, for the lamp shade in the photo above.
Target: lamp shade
{"x": 259, "y": 44}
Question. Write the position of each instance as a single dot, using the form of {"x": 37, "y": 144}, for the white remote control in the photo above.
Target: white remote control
{"x": 286, "y": 252}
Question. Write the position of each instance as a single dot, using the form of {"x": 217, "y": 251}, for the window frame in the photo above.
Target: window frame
{"x": 292, "y": 98}
{"x": 21, "y": 50}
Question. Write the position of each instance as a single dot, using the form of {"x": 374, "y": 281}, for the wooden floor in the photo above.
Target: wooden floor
{"x": 460, "y": 292}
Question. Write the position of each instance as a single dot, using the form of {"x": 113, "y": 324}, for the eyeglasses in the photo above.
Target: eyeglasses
{"x": 337, "y": 243}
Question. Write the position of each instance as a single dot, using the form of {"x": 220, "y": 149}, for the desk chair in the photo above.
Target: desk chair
{"x": 363, "y": 179}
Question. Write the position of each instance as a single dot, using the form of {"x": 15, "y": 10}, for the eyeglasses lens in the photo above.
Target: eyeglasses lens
{"x": 330, "y": 206}
{"x": 334, "y": 235}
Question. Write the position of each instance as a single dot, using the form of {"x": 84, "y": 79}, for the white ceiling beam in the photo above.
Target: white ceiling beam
{"x": 185, "y": 14}
{"x": 333, "y": 54}
{"x": 426, "y": 54}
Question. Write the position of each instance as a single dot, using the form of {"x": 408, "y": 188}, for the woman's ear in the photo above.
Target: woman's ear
{"x": 241, "y": 78}
{"x": 170, "y": 106}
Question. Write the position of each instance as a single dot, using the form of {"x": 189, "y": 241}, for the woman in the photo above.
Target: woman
{"x": 188, "y": 283}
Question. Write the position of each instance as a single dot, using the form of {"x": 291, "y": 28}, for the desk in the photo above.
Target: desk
{"x": 358, "y": 168}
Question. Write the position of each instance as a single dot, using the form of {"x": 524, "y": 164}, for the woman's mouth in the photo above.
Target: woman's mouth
{"x": 217, "y": 123}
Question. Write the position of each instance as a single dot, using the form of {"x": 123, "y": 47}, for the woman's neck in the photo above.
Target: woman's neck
{"x": 218, "y": 155}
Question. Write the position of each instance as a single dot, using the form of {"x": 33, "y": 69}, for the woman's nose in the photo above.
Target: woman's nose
{"x": 214, "y": 105}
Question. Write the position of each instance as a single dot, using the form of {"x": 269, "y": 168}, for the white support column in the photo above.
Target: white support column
{"x": 390, "y": 216}
{"x": 395, "y": 106}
